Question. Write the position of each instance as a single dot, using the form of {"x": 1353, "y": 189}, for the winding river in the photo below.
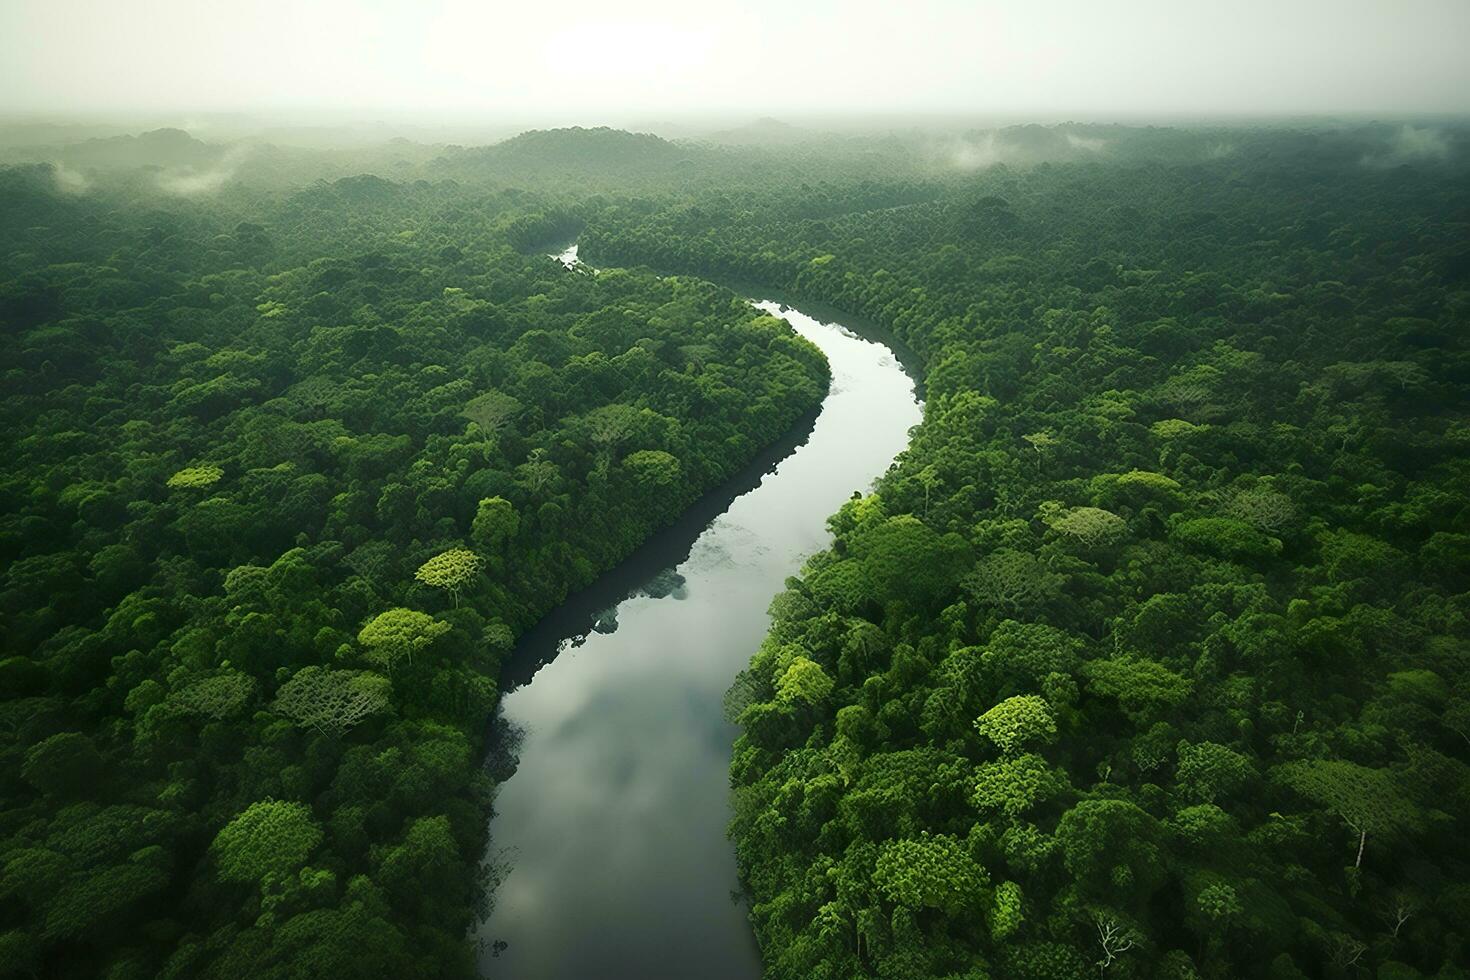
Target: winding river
{"x": 610, "y": 836}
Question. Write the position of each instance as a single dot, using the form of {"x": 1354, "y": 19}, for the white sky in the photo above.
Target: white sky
{"x": 572, "y": 58}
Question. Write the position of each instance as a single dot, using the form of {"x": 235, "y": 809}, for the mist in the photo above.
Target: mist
{"x": 193, "y": 182}
{"x": 584, "y": 62}
{"x": 1411, "y": 144}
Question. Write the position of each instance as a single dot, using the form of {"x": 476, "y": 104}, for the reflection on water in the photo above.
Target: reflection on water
{"x": 613, "y": 825}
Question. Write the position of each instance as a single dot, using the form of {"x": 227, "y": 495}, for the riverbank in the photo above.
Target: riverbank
{"x": 613, "y": 825}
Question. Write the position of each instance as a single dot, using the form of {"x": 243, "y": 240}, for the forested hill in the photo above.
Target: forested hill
{"x": 1151, "y": 656}
{"x": 283, "y": 484}
{"x": 557, "y": 153}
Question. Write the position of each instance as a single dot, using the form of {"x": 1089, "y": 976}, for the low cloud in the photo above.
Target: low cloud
{"x": 67, "y": 180}
{"x": 968, "y": 154}
{"x": 1091, "y": 144}
{"x": 194, "y": 183}
{"x": 1411, "y": 144}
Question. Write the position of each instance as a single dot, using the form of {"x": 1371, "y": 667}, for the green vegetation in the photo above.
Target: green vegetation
{"x": 1150, "y": 656}
{"x": 286, "y": 478}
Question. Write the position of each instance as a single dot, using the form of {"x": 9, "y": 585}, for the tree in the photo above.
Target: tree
{"x": 217, "y": 697}
{"x": 195, "y": 477}
{"x": 1111, "y": 847}
{"x": 1043, "y": 443}
{"x": 492, "y": 411}
{"x": 930, "y": 871}
{"x": 928, "y": 478}
{"x": 607, "y": 427}
{"x": 1225, "y": 537}
{"x": 1143, "y": 688}
{"x": 423, "y": 868}
{"x": 1092, "y": 527}
{"x": 399, "y": 633}
{"x": 332, "y": 701}
{"x": 1006, "y": 912}
{"x": 1113, "y": 937}
{"x": 653, "y": 468}
{"x": 1015, "y": 581}
{"x": 804, "y": 681}
{"x": 1209, "y": 771}
{"x": 269, "y": 837}
{"x": 906, "y": 559}
{"x": 1400, "y": 907}
{"x": 1264, "y": 509}
{"x": 538, "y": 474}
{"x": 1014, "y": 785}
{"x": 66, "y": 765}
{"x": 1018, "y": 721}
{"x": 1367, "y": 800}
{"x": 451, "y": 571}
{"x": 496, "y": 523}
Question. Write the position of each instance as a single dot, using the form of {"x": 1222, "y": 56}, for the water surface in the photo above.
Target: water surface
{"x": 613, "y": 826}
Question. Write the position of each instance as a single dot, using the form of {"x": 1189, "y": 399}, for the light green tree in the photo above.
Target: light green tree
{"x": 195, "y": 477}
{"x": 1143, "y": 688}
{"x": 269, "y": 837}
{"x": 805, "y": 681}
{"x": 399, "y": 633}
{"x": 1018, "y": 721}
{"x": 1013, "y": 580}
{"x": 451, "y": 571}
{"x": 492, "y": 411}
{"x": 1014, "y": 785}
{"x": 930, "y": 871}
{"x": 653, "y": 468}
{"x": 1091, "y": 527}
{"x": 333, "y": 701}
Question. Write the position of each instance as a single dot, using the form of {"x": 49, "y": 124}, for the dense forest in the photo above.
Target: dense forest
{"x": 1149, "y": 657}
{"x": 281, "y": 493}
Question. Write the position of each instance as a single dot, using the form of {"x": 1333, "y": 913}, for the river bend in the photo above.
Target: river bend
{"x": 610, "y": 835}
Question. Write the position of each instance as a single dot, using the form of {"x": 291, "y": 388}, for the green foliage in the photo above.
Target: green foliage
{"x": 365, "y": 377}
{"x": 1016, "y": 722}
{"x": 195, "y": 477}
{"x": 396, "y": 634}
{"x": 67, "y": 764}
{"x": 1144, "y": 689}
{"x": 1368, "y": 800}
{"x": 1007, "y": 913}
{"x": 496, "y": 523}
{"x": 1226, "y": 538}
{"x": 451, "y": 571}
{"x": 1204, "y": 482}
{"x": 271, "y": 837}
{"x": 930, "y": 871}
{"x": 804, "y": 681}
{"x": 333, "y": 702}
{"x": 1015, "y": 785}
{"x": 218, "y": 697}
{"x": 1192, "y": 472}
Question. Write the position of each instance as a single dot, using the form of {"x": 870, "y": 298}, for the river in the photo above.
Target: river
{"x": 611, "y": 832}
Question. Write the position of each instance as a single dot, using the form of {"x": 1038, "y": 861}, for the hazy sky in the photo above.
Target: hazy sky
{"x": 570, "y": 59}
